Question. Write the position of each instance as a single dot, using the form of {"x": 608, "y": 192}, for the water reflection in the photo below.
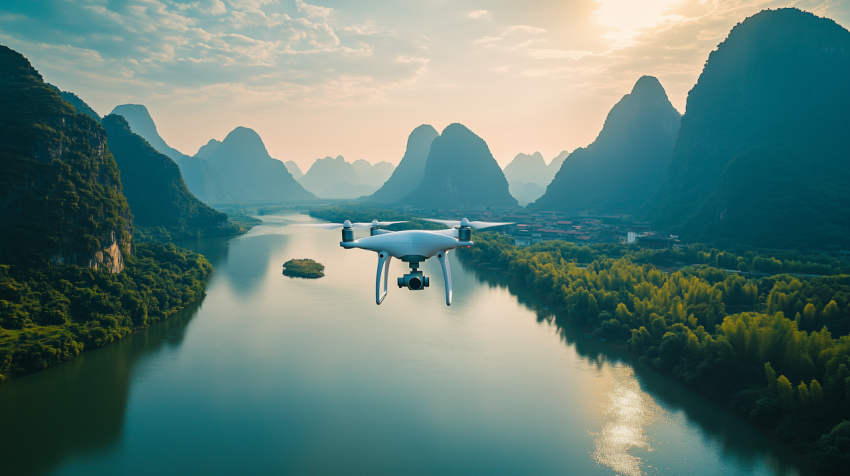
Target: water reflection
{"x": 629, "y": 411}
{"x": 78, "y": 407}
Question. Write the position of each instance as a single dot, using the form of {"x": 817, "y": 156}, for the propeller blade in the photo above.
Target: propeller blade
{"x": 486, "y": 224}
{"x": 448, "y": 223}
{"x": 388, "y": 223}
{"x": 472, "y": 224}
{"x": 361, "y": 226}
{"x": 326, "y": 226}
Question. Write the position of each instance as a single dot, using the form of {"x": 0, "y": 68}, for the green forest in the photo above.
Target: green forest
{"x": 50, "y": 314}
{"x": 775, "y": 348}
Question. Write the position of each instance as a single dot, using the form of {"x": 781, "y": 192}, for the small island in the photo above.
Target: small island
{"x": 303, "y": 268}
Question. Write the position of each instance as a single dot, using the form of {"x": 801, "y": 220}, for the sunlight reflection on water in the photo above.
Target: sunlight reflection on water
{"x": 627, "y": 412}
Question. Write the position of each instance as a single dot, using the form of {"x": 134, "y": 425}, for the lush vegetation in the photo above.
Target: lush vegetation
{"x": 761, "y": 156}
{"x": 766, "y": 346}
{"x": 50, "y": 314}
{"x": 303, "y": 268}
{"x": 79, "y": 105}
{"x": 163, "y": 208}
{"x": 60, "y": 189}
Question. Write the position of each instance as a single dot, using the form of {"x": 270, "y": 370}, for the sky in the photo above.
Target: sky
{"x": 355, "y": 78}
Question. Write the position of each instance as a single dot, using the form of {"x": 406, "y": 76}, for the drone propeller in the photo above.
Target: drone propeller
{"x": 478, "y": 225}
{"x": 348, "y": 224}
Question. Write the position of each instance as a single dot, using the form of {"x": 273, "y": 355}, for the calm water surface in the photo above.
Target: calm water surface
{"x": 276, "y": 375}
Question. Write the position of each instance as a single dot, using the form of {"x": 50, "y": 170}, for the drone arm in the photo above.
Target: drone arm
{"x": 443, "y": 257}
{"x": 383, "y": 266}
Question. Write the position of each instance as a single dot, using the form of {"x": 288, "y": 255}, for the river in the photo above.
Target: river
{"x": 277, "y": 375}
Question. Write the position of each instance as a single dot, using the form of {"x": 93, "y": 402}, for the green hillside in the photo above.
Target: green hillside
{"x": 762, "y": 155}
{"x": 79, "y": 105}
{"x": 60, "y": 189}
{"x": 161, "y": 204}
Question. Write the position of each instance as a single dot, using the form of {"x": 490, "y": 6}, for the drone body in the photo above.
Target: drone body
{"x": 410, "y": 246}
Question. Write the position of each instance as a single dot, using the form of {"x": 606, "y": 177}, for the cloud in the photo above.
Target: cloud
{"x": 486, "y": 39}
{"x": 210, "y": 7}
{"x": 364, "y": 29}
{"x": 553, "y": 53}
{"x": 478, "y": 14}
{"x": 313, "y": 11}
{"x": 514, "y": 29}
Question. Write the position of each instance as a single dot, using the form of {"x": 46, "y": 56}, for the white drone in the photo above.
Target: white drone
{"x": 410, "y": 246}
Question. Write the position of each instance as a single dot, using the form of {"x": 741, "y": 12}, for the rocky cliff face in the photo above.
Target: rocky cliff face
{"x": 61, "y": 198}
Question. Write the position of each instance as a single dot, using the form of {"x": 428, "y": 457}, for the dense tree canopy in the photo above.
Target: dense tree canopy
{"x": 50, "y": 314}
{"x": 60, "y": 189}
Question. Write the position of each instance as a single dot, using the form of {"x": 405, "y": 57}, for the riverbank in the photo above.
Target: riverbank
{"x": 50, "y": 315}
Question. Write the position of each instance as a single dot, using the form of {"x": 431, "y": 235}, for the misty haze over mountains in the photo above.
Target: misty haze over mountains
{"x": 529, "y": 175}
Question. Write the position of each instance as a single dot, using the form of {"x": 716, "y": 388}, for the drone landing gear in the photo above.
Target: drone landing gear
{"x": 383, "y": 266}
{"x": 443, "y": 257}
{"x": 414, "y": 280}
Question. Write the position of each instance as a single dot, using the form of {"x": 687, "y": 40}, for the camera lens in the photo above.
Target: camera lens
{"x": 414, "y": 283}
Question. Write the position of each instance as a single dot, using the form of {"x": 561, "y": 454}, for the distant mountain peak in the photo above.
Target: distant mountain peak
{"x": 141, "y": 123}
{"x": 626, "y": 162}
{"x": 648, "y": 86}
{"x": 207, "y": 149}
{"x": 408, "y": 175}
{"x": 241, "y": 144}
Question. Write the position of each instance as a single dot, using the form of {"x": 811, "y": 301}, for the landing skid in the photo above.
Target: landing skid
{"x": 384, "y": 260}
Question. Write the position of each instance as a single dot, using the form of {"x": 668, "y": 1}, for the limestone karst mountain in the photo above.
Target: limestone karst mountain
{"x": 240, "y": 170}
{"x": 762, "y": 155}
{"x": 142, "y": 124}
{"x": 626, "y": 163}
{"x": 327, "y": 172}
{"x": 60, "y": 188}
{"x": 460, "y": 171}
{"x": 294, "y": 169}
{"x": 335, "y": 178}
{"x": 207, "y": 149}
{"x": 155, "y": 190}
{"x": 373, "y": 175}
{"x": 408, "y": 175}
{"x": 529, "y": 175}
{"x": 527, "y": 168}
